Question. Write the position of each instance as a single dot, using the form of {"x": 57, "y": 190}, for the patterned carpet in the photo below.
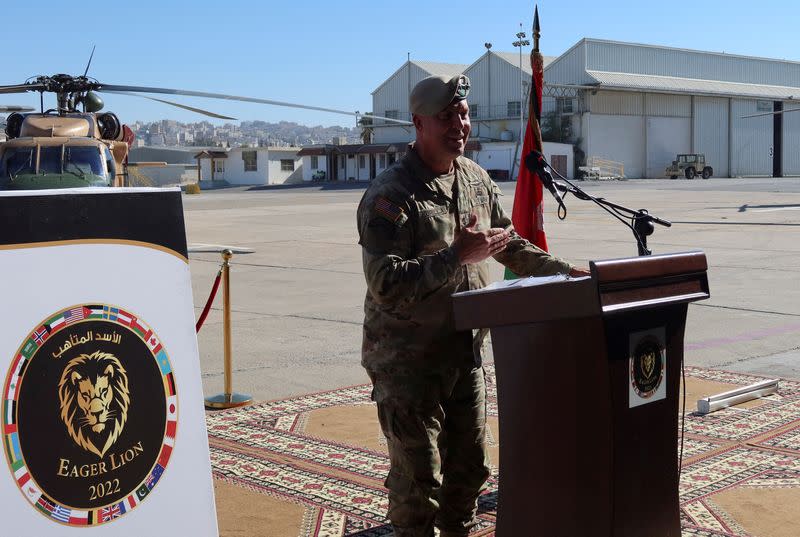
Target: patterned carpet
{"x": 322, "y": 455}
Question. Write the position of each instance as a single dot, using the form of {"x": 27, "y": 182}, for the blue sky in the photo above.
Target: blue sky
{"x": 334, "y": 54}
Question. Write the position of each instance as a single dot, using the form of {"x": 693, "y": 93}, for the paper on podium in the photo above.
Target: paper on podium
{"x": 531, "y": 281}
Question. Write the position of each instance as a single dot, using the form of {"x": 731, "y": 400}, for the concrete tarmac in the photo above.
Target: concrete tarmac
{"x": 298, "y": 299}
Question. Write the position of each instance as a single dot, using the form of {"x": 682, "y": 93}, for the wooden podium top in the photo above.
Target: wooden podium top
{"x": 615, "y": 285}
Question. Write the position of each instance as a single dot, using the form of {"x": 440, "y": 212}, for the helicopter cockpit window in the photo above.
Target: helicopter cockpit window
{"x": 18, "y": 160}
{"x": 50, "y": 160}
{"x": 111, "y": 164}
{"x": 83, "y": 160}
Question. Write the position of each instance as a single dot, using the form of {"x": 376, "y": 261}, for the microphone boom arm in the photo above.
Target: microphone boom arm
{"x": 641, "y": 221}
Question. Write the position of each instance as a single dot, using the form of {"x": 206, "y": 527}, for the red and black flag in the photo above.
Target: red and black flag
{"x": 527, "y": 214}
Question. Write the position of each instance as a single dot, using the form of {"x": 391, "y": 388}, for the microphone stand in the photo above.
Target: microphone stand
{"x": 641, "y": 221}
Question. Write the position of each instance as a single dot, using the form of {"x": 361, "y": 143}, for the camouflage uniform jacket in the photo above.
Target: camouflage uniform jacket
{"x": 406, "y": 223}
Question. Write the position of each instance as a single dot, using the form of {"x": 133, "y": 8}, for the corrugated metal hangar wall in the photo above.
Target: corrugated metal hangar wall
{"x": 643, "y": 104}
{"x": 646, "y": 131}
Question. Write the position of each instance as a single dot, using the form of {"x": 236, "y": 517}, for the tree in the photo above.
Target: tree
{"x": 557, "y": 127}
{"x": 366, "y": 129}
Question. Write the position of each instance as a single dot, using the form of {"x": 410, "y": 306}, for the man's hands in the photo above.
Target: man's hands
{"x": 473, "y": 246}
{"x": 577, "y": 272}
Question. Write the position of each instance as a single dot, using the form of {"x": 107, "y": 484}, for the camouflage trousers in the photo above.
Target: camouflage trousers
{"x": 435, "y": 425}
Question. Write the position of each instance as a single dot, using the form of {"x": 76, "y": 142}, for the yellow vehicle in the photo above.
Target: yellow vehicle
{"x": 690, "y": 166}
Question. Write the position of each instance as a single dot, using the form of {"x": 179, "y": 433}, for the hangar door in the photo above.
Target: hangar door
{"x": 751, "y": 138}
{"x": 791, "y": 141}
{"x": 617, "y": 138}
{"x": 710, "y": 126}
{"x": 666, "y": 138}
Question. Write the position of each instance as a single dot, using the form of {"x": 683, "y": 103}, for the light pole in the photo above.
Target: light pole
{"x": 521, "y": 42}
{"x": 488, "y": 80}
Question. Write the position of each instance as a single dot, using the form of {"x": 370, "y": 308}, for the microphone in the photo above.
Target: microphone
{"x": 536, "y": 163}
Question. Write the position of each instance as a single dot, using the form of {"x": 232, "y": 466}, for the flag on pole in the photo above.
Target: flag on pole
{"x": 528, "y": 214}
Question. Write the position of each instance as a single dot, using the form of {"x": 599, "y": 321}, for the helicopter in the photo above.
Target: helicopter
{"x": 76, "y": 144}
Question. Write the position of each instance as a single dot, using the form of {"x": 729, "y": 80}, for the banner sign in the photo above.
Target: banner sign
{"x": 102, "y": 405}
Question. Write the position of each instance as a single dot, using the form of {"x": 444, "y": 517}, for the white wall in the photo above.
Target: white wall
{"x": 276, "y": 176}
{"x": 268, "y": 167}
{"x": 308, "y": 171}
{"x": 234, "y": 168}
{"x": 496, "y": 156}
{"x": 502, "y": 156}
{"x": 553, "y": 148}
{"x": 205, "y": 169}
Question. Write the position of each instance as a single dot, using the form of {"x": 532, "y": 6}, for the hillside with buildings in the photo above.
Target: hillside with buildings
{"x": 170, "y": 133}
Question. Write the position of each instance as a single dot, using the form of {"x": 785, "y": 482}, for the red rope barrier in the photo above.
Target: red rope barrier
{"x": 210, "y": 301}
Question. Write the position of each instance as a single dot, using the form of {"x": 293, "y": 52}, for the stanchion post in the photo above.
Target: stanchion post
{"x": 229, "y": 399}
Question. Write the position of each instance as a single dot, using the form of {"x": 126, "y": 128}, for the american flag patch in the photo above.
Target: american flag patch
{"x": 74, "y": 315}
{"x": 390, "y": 211}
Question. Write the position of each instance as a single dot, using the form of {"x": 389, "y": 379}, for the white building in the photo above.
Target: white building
{"x": 642, "y": 105}
{"x": 390, "y": 99}
{"x": 251, "y": 166}
{"x": 355, "y": 162}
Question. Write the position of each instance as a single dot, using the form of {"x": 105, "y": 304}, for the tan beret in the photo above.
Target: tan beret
{"x": 433, "y": 94}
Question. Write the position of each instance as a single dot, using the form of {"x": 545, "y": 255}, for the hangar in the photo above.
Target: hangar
{"x": 636, "y": 104}
{"x": 642, "y": 105}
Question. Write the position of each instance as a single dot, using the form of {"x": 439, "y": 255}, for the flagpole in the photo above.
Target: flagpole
{"x": 537, "y": 66}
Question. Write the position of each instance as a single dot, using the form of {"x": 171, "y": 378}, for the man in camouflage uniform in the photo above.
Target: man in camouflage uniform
{"x": 427, "y": 225}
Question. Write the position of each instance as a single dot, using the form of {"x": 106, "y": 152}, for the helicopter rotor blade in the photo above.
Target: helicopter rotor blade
{"x": 772, "y": 113}
{"x": 185, "y": 107}
{"x": 21, "y": 88}
{"x": 140, "y": 89}
{"x": 13, "y": 108}
{"x": 90, "y": 60}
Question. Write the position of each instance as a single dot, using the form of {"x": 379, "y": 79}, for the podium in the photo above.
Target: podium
{"x": 588, "y": 374}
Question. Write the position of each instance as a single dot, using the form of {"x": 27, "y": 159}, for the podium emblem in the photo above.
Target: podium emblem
{"x": 647, "y": 366}
{"x": 647, "y": 371}
{"x": 89, "y": 414}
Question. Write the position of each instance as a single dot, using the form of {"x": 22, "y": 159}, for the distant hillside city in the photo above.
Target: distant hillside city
{"x": 170, "y": 133}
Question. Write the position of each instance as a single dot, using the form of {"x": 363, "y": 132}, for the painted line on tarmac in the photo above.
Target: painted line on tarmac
{"x": 788, "y": 224}
{"x": 749, "y": 310}
{"x": 776, "y": 209}
{"x": 747, "y": 336}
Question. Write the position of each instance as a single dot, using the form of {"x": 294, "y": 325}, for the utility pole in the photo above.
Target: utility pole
{"x": 521, "y": 42}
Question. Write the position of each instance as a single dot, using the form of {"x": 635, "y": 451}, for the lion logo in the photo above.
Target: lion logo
{"x": 648, "y": 365}
{"x": 94, "y": 398}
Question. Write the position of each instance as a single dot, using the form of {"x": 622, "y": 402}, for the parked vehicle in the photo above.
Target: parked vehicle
{"x": 690, "y": 165}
